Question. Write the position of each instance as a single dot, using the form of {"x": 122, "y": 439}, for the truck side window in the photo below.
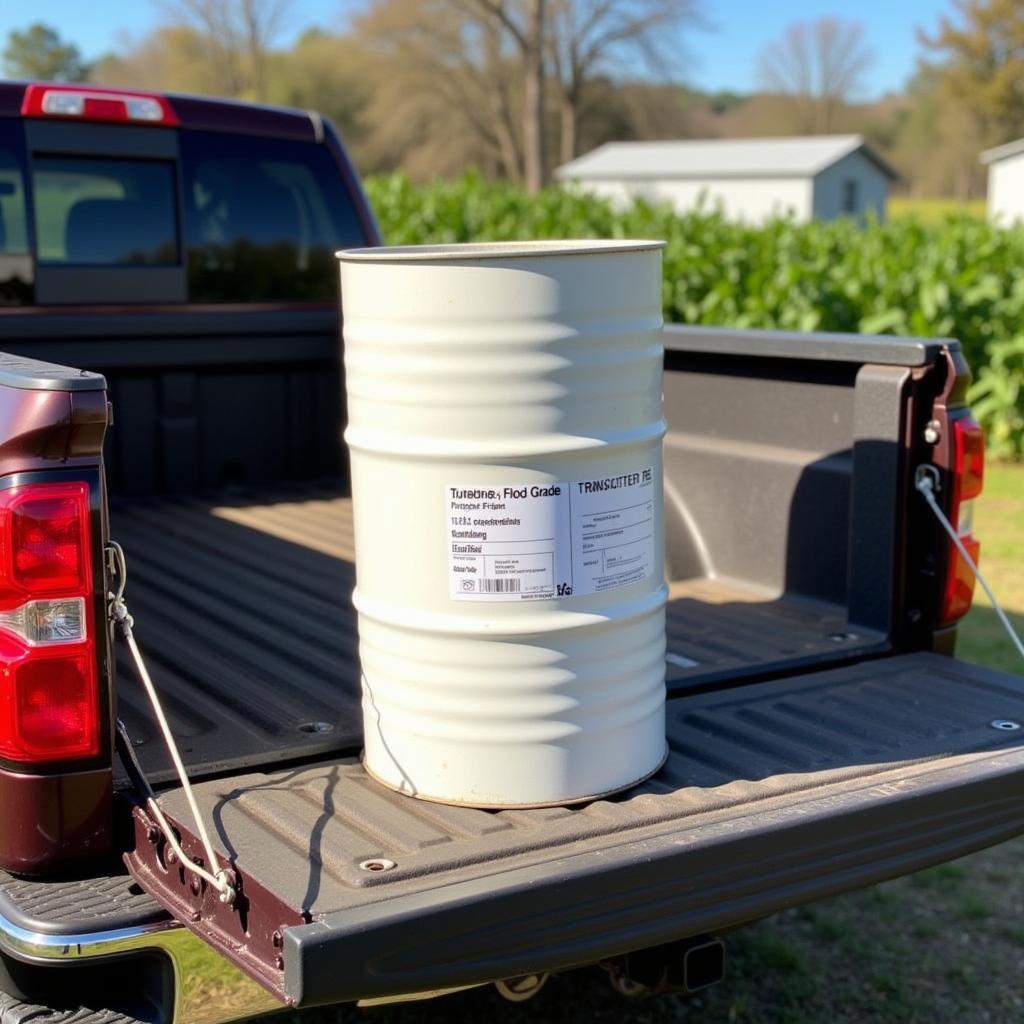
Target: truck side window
{"x": 263, "y": 218}
{"x": 15, "y": 253}
{"x": 92, "y": 212}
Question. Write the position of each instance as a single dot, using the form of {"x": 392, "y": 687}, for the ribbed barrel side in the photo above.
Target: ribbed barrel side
{"x": 505, "y": 432}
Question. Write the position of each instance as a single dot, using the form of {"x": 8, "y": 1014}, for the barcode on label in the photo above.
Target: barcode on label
{"x": 500, "y": 586}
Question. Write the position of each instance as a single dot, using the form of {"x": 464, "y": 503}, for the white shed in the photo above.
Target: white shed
{"x": 1005, "y": 181}
{"x": 811, "y": 177}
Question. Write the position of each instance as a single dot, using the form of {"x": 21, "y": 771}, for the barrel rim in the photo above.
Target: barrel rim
{"x": 497, "y": 250}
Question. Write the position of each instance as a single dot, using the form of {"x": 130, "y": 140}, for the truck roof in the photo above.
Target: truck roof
{"x": 199, "y": 112}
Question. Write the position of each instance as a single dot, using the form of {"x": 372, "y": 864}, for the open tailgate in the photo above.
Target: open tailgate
{"x": 773, "y": 795}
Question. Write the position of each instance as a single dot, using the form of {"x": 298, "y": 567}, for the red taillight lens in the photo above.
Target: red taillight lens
{"x": 97, "y": 108}
{"x": 959, "y": 592}
{"x": 96, "y": 103}
{"x": 51, "y": 702}
{"x": 49, "y": 538}
{"x": 968, "y": 459}
{"x": 49, "y": 697}
{"x": 968, "y": 480}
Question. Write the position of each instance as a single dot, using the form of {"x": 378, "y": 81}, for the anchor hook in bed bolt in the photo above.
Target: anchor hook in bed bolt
{"x": 221, "y": 879}
{"x": 926, "y": 478}
{"x": 117, "y": 567}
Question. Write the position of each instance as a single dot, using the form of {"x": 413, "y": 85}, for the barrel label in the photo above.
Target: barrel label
{"x": 613, "y": 528}
{"x": 528, "y": 542}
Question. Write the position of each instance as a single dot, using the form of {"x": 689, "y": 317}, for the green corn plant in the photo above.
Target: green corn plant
{"x": 956, "y": 277}
{"x": 997, "y": 398}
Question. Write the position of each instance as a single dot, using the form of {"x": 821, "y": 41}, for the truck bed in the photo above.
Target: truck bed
{"x": 242, "y": 609}
{"x": 773, "y": 795}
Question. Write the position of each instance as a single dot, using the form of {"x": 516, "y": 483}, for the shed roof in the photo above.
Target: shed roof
{"x": 991, "y": 156}
{"x": 802, "y": 156}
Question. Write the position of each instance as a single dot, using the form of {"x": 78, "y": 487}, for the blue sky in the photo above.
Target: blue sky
{"x": 725, "y": 57}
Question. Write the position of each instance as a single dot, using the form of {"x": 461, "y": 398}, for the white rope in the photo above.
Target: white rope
{"x": 219, "y": 878}
{"x": 926, "y": 482}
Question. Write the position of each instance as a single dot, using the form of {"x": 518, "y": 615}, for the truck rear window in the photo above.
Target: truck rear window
{"x": 15, "y": 252}
{"x": 97, "y": 212}
{"x": 13, "y": 219}
{"x": 263, "y": 218}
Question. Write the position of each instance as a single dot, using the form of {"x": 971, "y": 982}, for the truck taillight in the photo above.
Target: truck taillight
{"x": 968, "y": 479}
{"x": 96, "y": 103}
{"x": 49, "y": 698}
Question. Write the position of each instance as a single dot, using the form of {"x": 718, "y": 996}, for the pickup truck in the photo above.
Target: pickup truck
{"x": 177, "y": 252}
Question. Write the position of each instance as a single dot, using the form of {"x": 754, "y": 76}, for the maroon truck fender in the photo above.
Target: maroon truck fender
{"x": 52, "y": 424}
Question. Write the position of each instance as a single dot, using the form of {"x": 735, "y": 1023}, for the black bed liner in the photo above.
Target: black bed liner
{"x": 775, "y": 794}
{"x": 242, "y": 609}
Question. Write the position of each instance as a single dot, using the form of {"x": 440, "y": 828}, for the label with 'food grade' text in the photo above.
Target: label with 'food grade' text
{"x": 523, "y": 542}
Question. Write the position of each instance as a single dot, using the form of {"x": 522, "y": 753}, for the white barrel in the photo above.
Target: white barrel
{"x": 505, "y": 430}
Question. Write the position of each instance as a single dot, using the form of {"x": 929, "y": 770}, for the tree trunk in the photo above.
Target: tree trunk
{"x": 822, "y": 121}
{"x": 567, "y": 129}
{"x": 533, "y": 97}
{"x": 503, "y": 121}
{"x": 259, "y": 81}
{"x": 507, "y": 149}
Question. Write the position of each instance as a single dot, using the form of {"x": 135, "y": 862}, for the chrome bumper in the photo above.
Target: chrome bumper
{"x": 207, "y": 988}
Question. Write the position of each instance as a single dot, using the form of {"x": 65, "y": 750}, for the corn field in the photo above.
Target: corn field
{"x": 956, "y": 277}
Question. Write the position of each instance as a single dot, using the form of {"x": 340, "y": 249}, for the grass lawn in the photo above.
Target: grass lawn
{"x": 945, "y": 945}
{"x": 930, "y": 210}
{"x": 999, "y": 524}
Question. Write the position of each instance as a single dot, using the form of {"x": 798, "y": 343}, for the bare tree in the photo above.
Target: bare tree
{"x": 978, "y": 64}
{"x": 238, "y": 35}
{"x": 588, "y": 38}
{"x": 448, "y": 85}
{"x": 480, "y": 74}
{"x": 821, "y": 65}
{"x": 524, "y": 23}
{"x": 533, "y": 96}
{"x": 482, "y": 61}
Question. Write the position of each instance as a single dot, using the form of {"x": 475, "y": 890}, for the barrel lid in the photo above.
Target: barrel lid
{"x": 498, "y": 250}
